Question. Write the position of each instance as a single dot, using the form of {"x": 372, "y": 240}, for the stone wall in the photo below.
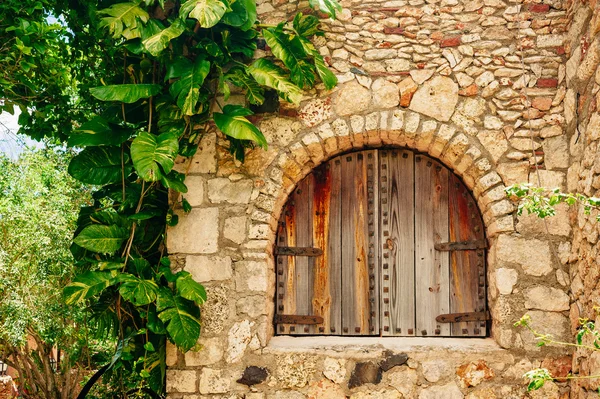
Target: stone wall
{"x": 583, "y": 126}
{"x": 442, "y": 77}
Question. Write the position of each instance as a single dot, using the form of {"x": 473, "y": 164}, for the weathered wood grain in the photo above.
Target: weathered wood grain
{"x": 397, "y": 240}
{"x": 431, "y": 226}
{"x": 465, "y": 225}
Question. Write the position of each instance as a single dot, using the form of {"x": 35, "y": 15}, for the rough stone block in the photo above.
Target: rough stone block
{"x": 196, "y": 233}
{"x": 233, "y": 192}
{"x": 213, "y": 381}
{"x": 546, "y": 298}
{"x": 181, "y": 381}
{"x": 235, "y": 229}
{"x": 208, "y": 268}
{"x": 532, "y": 255}
{"x": 365, "y": 373}
{"x": 210, "y": 352}
{"x": 251, "y": 276}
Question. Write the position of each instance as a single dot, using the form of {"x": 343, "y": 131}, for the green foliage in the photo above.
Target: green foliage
{"x": 147, "y": 82}
{"x": 39, "y": 203}
{"x": 542, "y": 202}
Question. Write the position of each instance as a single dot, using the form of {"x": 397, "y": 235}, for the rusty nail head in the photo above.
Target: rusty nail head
{"x": 410, "y": 331}
{"x": 386, "y": 328}
{"x": 292, "y": 328}
{"x": 345, "y": 329}
{"x": 281, "y": 328}
{"x": 465, "y": 331}
{"x": 305, "y": 329}
{"x": 321, "y": 329}
{"x": 423, "y": 332}
{"x": 357, "y": 329}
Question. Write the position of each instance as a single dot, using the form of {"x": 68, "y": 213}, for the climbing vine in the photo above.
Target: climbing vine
{"x": 167, "y": 72}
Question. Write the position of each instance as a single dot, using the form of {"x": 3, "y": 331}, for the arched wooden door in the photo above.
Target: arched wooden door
{"x": 381, "y": 242}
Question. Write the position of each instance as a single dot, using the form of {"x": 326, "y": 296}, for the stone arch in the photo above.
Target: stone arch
{"x": 460, "y": 152}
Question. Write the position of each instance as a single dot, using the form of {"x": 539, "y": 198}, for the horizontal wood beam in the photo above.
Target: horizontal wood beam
{"x": 460, "y": 317}
{"x": 461, "y": 245}
{"x": 297, "y": 319}
{"x": 298, "y": 251}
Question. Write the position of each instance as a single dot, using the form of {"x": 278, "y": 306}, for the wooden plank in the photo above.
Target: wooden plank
{"x": 334, "y": 249}
{"x": 397, "y": 238}
{"x": 467, "y": 268}
{"x": 298, "y": 251}
{"x": 431, "y": 266}
{"x": 298, "y": 319}
{"x": 359, "y": 313}
{"x": 324, "y": 270}
{"x": 461, "y": 245}
{"x": 286, "y": 286}
{"x": 462, "y": 317}
{"x": 304, "y": 265}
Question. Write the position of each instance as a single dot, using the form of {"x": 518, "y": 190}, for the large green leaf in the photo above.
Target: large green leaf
{"x": 327, "y": 77}
{"x": 138, "y": 291}
{"x": 99, "y": 165}
{"x": 289, "y": 49}
{"x": 268, "y": 74}
{"x": 306, "y": 25}
{"x": 191, "y": 77}
{"x": 97, "y": 131}
{"x": 128, "y": 93}
{"x": 254, "y": 93}
{"x": 329, "y": 7}
{"x": 242, "y": 14}
{"x": 183, "y": 322}
{"x": 190, "y": 289}
{"x": 150, "y": 153}
{"x": 233, "y": 123}
{"x": 102, "y": 239}
{"x": 207, "y": 12}
{"x": 86, "y": 285}
{"x": 123, "y": 19}
{"x": 157, "y": 43}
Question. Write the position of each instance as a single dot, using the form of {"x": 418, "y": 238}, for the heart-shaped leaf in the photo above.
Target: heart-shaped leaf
{"x": 183, "y": 322}
{"x": 98, "y": 131}
{"x": 99, "y": 165}
{"x": 207, "y": 12}
{"x": 138, "y": 291}
{"x": 86, "y": 285}
{"x": 233, "y": 123}
{"x": 268, "y": 74}
{"x": 191, "y": 77}
{"x": 102, "y": 239}
{"x": 190, "y": 289}
{"x": 128, "y": 93}
{"x": 158, "y": 42}
{"x": 150, "y": 153}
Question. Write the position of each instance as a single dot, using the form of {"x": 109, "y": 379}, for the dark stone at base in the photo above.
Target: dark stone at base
{"x": 392, "y": 360}
{"x": 253, "y": 375}
{"x": 365, "y": 373}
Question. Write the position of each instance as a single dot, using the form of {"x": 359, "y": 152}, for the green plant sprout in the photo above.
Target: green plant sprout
{"x": 538, "y": 377}
{"x": 542, "y": 201}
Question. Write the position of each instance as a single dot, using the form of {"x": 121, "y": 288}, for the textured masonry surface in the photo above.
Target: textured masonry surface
{"x": 443, "y": 77}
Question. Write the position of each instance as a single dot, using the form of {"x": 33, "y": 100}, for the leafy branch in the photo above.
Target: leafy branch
{"x": 541, "y": 201}
{"x": 538, "y": 377}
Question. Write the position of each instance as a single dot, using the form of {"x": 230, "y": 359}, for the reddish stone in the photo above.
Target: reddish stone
{"x": 410, "y": 35}
{"x": 547, "y": 83}
{"x": 384, "y": 45}
{"x": 558, "y": 367}
{"x": 460, "y": 26}
{"x": 437, "y": 36}
{"x": 474, "y": 373}
{"x": 450, "y": 41}
{"x": 469, "y": 91}
{"x": 421, "y": 65}
{"x": 290, "y": 112}
{"x": 560, "y": 50}
{"x": 407, "y": 88}
{"x": 394, "y": 31}
{"x": 542, "y": 103}
{"x": 537, "y": 7}
{"x": 532, "y": 113}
